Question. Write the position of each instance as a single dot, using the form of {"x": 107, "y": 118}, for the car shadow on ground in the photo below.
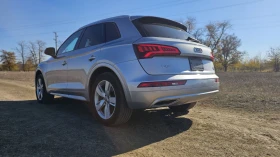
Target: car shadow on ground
{"x": 66, "y": 127}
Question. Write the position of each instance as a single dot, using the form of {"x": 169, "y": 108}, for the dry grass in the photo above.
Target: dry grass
{"x": 252, "y": 92}
{"x": 24, "y": 77}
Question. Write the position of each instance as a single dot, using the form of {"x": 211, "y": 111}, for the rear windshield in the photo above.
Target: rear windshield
{"x": 158, "y": 27}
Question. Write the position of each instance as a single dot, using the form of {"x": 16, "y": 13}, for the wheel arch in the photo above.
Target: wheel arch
{"x": 106, "y": 67}
{"x": 37, "y": 73}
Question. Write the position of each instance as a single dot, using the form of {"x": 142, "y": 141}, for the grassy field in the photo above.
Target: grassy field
{"x": 242, "y": 120}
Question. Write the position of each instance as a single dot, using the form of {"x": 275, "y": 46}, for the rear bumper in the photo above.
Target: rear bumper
{"x": 198, "y": 86}
{"x": 182, "y": 99}
{"x": 151, "y": 99}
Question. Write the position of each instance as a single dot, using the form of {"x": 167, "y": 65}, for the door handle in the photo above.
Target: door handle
{"x": 64, "y": 63}
{"x": 91, "y": 58}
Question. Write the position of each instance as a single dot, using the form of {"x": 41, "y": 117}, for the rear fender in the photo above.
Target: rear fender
{"x": 117, "y": 72}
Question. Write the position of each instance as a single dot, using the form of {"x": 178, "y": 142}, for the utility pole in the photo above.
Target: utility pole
{"x": 261, "y": 62}
{"x": 55, "y": 40}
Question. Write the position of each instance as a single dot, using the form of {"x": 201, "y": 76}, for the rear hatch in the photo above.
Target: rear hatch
{"x": 166, "y": 48}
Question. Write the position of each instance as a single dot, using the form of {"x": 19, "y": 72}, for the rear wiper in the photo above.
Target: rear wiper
{"x": 193, "y": 40}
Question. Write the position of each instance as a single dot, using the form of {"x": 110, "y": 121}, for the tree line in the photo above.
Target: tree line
{"x": 30, "y": 54}
{"x": 224, "y": 46}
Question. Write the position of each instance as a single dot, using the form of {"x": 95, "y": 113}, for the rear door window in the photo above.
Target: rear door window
{"x": 158, "y": 27}
{"x": 112, "y": 31}
{"x": 93, "y": 35}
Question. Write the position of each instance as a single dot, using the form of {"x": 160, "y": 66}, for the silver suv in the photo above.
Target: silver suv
{"x": 128, "y": 62}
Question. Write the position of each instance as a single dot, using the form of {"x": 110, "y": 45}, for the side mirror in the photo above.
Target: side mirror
{"x": 50, "y": 51}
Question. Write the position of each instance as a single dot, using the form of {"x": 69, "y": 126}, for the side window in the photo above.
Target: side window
{"x": 93, "y": 35}
{"x": 70, "y": 43}
{"x": 112, "y": 31}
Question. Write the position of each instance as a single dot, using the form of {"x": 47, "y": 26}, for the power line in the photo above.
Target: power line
{"x": 180, "y": 2}
{"x": 32, "y": 34}
{"x": 217, "y": 8}
{"x": 255, "y": 24}
{"x": 170, "y": 4}
{"x": 253, "y": 17}
{"x": 239, "y": 19}
{"x": 244, "y": 28}
{"x": 161, "y": 5}
{"x": 41, "y": 25}
{"x": 260, "y": 27}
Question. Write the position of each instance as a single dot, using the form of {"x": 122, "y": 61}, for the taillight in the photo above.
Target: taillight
{"x": 150, "y": 50}
{"x": 217, "y": 80}
{"x": 212, "y": 56}
{"x": 161, "y": 83}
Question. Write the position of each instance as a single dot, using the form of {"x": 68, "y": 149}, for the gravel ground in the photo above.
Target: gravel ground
{"x": 250, "y": 92}
{"x": 226, "y": 125}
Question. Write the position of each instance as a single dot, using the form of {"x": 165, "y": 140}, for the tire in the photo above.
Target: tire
{"x": 182, "y": 108}
{"x": 107, "y": 100}
{"x": 42, "y": 95}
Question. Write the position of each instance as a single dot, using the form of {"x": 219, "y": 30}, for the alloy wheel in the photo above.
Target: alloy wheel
{"x": 105, "y": 99}
{"x": 40, "y": 89}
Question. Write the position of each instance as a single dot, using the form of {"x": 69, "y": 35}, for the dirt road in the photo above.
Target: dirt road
{"x": 67, "y": 128}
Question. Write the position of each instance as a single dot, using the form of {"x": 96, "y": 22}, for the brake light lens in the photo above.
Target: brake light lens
{"x": 150, "y": 50}
{"x": 217, "y": 80}
{"x": 161, "y": 83}
{"x": 212, "y": 56}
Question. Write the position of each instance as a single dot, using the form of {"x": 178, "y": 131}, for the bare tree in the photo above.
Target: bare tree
{"x": 41, "y": 45}
{"x": 215, "y": 32}
{"x": 29, "y": 65}
{"x": 199, "y": 34}
{"x": 274, "y": 56}
{"x": 227, "y": 53}
{"x": 33, "y": 52}
{"x": 21, "y": 51}
{"x": 190, "y": 24}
